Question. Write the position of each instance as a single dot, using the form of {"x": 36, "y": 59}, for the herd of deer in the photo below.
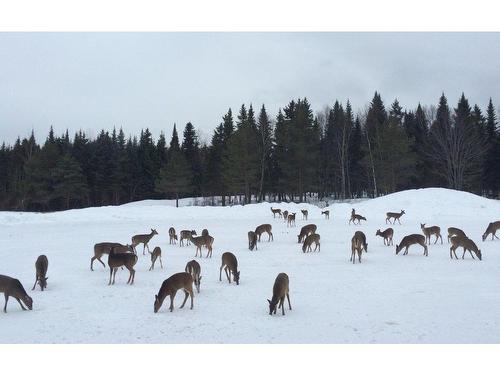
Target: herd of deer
{"x": 120, "y": 256}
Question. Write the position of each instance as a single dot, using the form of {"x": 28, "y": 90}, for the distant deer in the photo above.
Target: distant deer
{"x": 41, "y": 266}
{"x": 304, "y": 214}
{"x": 395, "y": 216}
{"x": 200, "y": 241}
{"x": 386, "y": 235}
{"x": 154, "y": 256}
{"x": 252, "y": 240}
{"x": 311, "y": 239}
{"x": 276, "y": 211}
{"x": 356, "y": 247}
{"x": 170, "y": 286}
{"x": 285, "y": 215}
{"x": 172, "y": 235}
{"x": 116, "y": 260}
{"x": 13, "y": 288}
{"x": 281, "y": 289}
{"x": 429, "y": 231}
{"x": 186, "y": 235}
{"x": 326, "y": 213}
{"x": 291, "y": 220}
{"x": 355, "y": 217}
{"x": 230, "y": 265}
{"x": 144, "y": 239}
{"x": 194, "y": 269}
{"x": 412, "y": 239}
{"x": 104, "y": 248}
{"x": 492, "y": 229}
{"x": 305, "y": 231}
{"x": 452, "y": 231}
{"x": 264, "y": 228}
{"x": 467, "y": 244}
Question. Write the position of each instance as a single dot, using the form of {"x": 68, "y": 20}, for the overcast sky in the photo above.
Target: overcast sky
{"x": 91, "y": 81}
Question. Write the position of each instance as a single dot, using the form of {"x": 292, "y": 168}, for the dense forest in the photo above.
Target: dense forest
{"x": 333, "y": 153}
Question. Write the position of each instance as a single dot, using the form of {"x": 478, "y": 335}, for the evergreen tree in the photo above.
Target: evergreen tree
{"x": 175, "y": 178}
{"x": 69, "y": 181}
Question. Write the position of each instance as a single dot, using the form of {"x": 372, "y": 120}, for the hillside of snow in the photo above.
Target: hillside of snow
{"x": 387, "y": 298}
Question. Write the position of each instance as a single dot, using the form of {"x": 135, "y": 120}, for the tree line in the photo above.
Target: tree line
{"x": 333, "y": 153}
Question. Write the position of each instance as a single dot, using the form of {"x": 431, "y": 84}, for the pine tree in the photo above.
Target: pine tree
{"x": 191, "y": 150}
{"x": 264, "y": 131}
{"x": 175, "y": 178}
{"x": 69, "y": 181}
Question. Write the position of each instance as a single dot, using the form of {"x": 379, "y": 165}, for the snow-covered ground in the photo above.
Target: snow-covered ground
{"x": 385, "y": 299}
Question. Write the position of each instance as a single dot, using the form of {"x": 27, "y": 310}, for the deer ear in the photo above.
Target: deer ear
{"x": 269, "y": 301}
{"x": 46, "y": 278}
{"x": 156, "y": 296}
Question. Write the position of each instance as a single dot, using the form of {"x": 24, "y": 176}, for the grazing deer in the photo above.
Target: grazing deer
{"x": 104, "y": 248}
{"x": 395, "y": 216}
{"x": 13, "y": 288}
{"x": 285, "y": 215}
{"x": 252, "y": 240}
{"x": 452, "y": 231}
{"x": 264, "y": 228}
{"x": 467, "y": 244}
{"x": 230, "y": 265}
{"x": 186, "y": 235}
{"x": 304, "y": 214}
{"x": 116, "y": 260}
{"x": 172, "y": 235}
{"x": 155, "y": 255}
{"x": 281, "y": 288}
{"x": 200, "y": 241}
{"x": 169, "y": 287}
{"x": 194, "y": 269}
{"x": 326, "y": 213}
{"x": 386, "y": 235}
{"x": 144, "y": 239}
{"x": 492, "y": 229}
{"x": 291, "y": 220}
{"x": 312, "y": 238}
{"x": 305, "y": 231}
{"x": 41, "y": 266}
{"x": 355, "y": 217}
{"x": 412, "y": 239}
{"x": 276, "y": 211}
{"x": 434, "y": 230}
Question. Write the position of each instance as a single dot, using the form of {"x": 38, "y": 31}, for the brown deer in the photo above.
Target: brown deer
{"x": 172, "y": 235}
{"x": 429, "y": 231}
{"x": 492, "y": 229}
{"x": 116, "y": 260}
{"x": 230, "y": 265}
{"x": 104, "y": 248}
{"x": 144, "y": 239}
{"x": 311, "y": 239}
{"x": 194, "y": 269}
{"x": 452, "y": 231}
{"x": 304, "y": 214}
{"x": 386, "y": 235}
{"x": 355, "y": 217}
{"x": 285, "y": 215}
{"x": 467, "y": 244}
{"x": 41, "y": 266}
{"x": 154, "y": 256}
{"x": 204, "y": 232}
{"x": 186, "y": 235}
{"x": 395, "y": 216}
{"x": 169, "y": 287}
{"x": 200, "y": 241}
{"x": 326, "y": 213}
{"x": 305, "y": 231}
{"x": 281, "y": 288}
{"x": 357, "y": 242}
{"x": 276, "y": 211}
{"x": 291, "y": 220}
{"x": 13, "y": 288}
{"x": 252, "y": 240}
{"x": 412, "y": 239}
{"x": 264, "y": 228}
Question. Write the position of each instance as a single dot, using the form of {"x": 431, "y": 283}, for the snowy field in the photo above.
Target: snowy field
{"x": 385, "y": 299}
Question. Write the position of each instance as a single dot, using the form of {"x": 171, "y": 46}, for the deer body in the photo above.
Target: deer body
{"x": 326, "y": 213}
{"x": 154, "y": 256}
{"x": 311, "y": 239}
{"x": 41, "y": 266}
{"x": 452, "y": 231}
{"x": 172, "y": 235}
{"x": 11, "y": 287}
{"x": 170, "y": 286}
{"x": 467, "y": 244}
{"x": 200, "y": 241}
{"x": 276, "y": 211}
{"x": 386, "y": 235}
{"x": 194, "y": 269}
{"x": 116, "y": 260}
{"x": 395, "y": 216}
{"x": 305, "y": 231}
{"x": 252, "y": 240}
{"x": 285, "y": 215}
{"x": 264, "y": 228}
{"x": 355, "y": 217}
{"x": 412, "y": 239}
{"x": 230, "y": 265}
{"x": 358, "y": 244}
{"x": 291, "y": 220}
{"x": 99, "y": 250}
{"x": 281, "y": 288}
{"x": 491, "y": 229}
{"x": 186, "y": 235}
{"x": 429, "y": 231}
{"x": 304, "y": 214}
{"x": 144, "y": 239}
